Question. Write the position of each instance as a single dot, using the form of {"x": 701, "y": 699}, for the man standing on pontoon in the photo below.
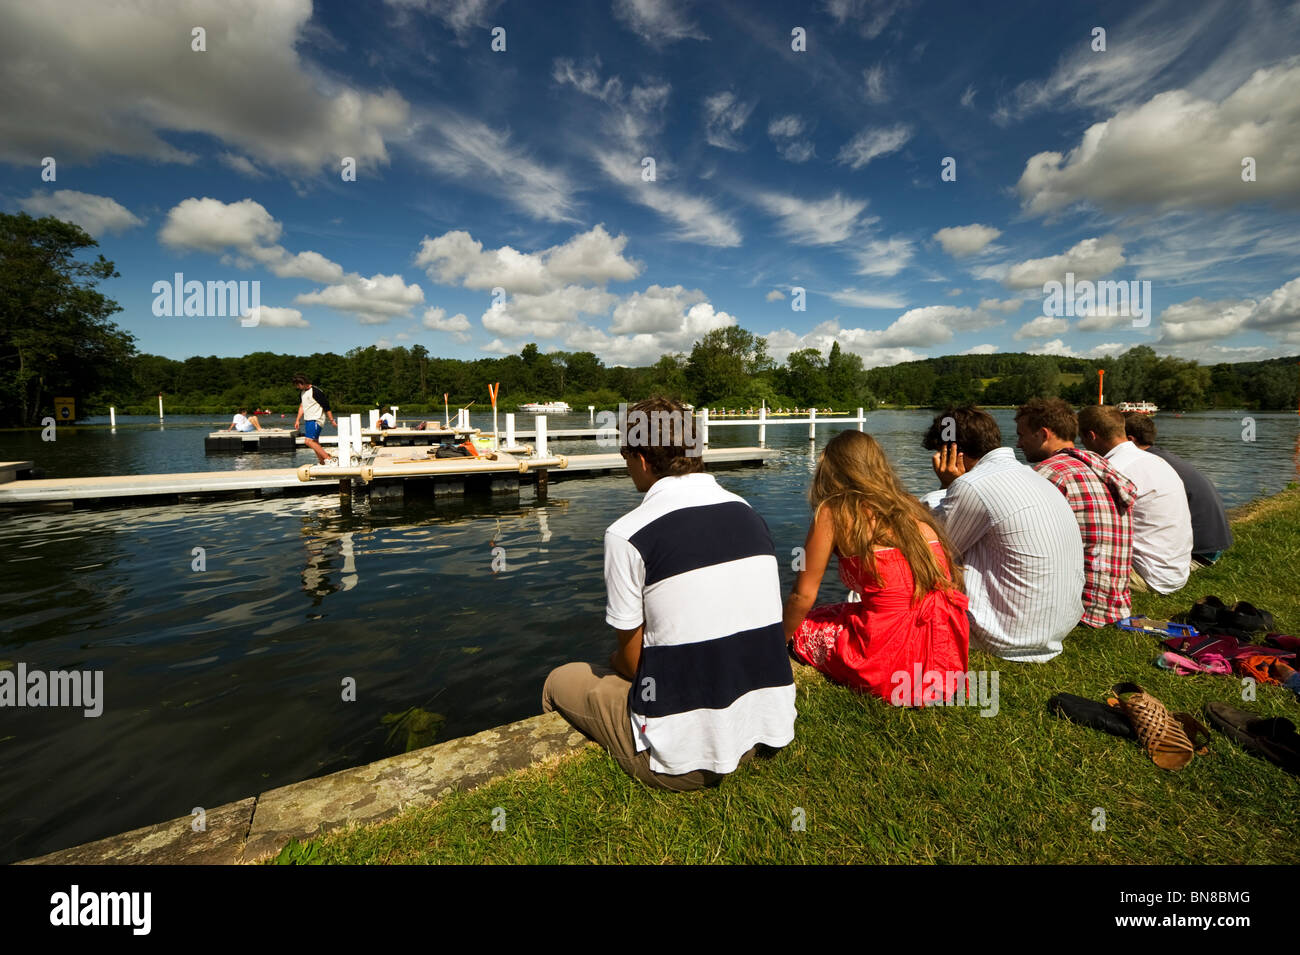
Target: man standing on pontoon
{"x": 311, "y": 416}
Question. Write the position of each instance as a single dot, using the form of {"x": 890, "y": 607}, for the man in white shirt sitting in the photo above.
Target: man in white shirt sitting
{"x": 387, "y": 419}
{"x": 1162, "y": 522}
{"x": 1017, "y": 536}
{"x": 242, "y": 422}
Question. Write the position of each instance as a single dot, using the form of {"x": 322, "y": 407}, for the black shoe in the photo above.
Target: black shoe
{"x": 1099, "y": 716}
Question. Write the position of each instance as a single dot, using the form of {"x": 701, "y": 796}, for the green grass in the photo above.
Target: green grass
{"x": 890, "y": 785}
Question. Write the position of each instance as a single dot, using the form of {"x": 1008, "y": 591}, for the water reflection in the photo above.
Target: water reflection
{"x": 329, "y": 553}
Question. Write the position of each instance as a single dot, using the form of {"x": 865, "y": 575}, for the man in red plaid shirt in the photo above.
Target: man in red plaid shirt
{"x": 1100, "y": 496}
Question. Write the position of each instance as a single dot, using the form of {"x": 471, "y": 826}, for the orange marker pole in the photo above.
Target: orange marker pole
{"x": 1101, "y": 374}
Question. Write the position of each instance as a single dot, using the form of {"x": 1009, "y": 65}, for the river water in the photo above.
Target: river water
{"x": 226, "y": 681}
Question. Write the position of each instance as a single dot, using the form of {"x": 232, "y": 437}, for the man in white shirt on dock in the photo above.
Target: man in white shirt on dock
{"x": 311, "y": 416}
{"x": 1017, "y": 537}
{"x": 700, "y": 678}
{"x": 243, "y": 423}
{"x": 1162, "y": 522}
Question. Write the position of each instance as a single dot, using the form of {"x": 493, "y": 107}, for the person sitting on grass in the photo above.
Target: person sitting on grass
{"x": 1100, "y": 497}
{"x": 1162, "y": 523}
{"x": 242, "y": 422}
{"x": 1016, "y": 536}
{"x": 699, "y": 677}
{"x": 911, "y": 612}
{"x": 1211, "y": 535}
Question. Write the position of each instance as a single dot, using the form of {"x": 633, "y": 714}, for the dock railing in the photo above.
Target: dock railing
{"x": 812, "y": 421}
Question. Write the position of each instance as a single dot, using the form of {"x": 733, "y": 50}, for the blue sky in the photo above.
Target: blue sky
{"x": 774, "y": 170}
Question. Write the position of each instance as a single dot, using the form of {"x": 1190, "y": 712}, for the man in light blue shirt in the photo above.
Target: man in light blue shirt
{"x": 1017, "y": 537}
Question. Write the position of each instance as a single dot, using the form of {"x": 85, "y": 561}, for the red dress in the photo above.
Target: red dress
{"x": 883, "y": 644}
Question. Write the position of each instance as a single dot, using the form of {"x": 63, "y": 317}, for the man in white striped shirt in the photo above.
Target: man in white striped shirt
{"x": 1017, "y": 535}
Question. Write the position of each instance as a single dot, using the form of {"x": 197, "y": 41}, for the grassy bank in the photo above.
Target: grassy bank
{"x": 885, "y": 785}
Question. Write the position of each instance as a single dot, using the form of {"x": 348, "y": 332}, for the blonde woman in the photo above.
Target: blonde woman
{"x": 908, "y": 633}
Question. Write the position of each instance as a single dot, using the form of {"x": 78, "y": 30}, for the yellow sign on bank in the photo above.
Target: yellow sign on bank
{"x": 65, "y": 409}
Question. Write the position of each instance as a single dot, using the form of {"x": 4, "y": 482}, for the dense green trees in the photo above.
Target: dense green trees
{"x": 55, "y": 335}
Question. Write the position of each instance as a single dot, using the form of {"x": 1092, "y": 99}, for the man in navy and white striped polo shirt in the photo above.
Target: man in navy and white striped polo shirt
{"x": 701, "y": 676}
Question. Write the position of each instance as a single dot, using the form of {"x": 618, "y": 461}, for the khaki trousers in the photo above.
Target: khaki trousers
{"x": 594, "y": 699}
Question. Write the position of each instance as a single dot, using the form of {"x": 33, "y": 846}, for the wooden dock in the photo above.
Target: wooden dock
{"x": 285, "y": 439}
{"x": 448, "y": 476}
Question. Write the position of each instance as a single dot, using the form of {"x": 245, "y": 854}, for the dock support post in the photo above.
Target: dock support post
{"x": 345, "y": 440}
{"x": 540, "y": 438}
{"x": 357, "y": 437}
{"x": 862, "y": 420}
{"x": 540, "y": 492}
{"x": 112, "y": 417}
{"x": 160, "y": 414}
{"x": 591, "y": 414}
{"x": 812, "y": 424}
{"x": 762, "y": 426}
{"x": 510, "y": 430}
{"x": 374, "y": 418}
{"x": 704, "y": 426}
{"x": 345, "y": 491}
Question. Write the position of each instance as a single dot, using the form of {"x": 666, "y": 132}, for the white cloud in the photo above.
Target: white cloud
{"x": 462, "y": 16}
{"x": 981, "y": 350}
{"x": 646, "y": 347}
{"x": 814, "y": 221}
{"x": 1177, "y": 150}
{"x": 483, "y": 156}
{"x": 242, "y": 165}
{"x": 457, "y": 325}
{"x": 136, "y": 83}
{"x": 963, "y": 240}
{"x": 373, "y": 300}
{"x": 658, "y": 22}
{"x": 657, "y": 309}
{"x": 213, "y": 226}
{"x": 96, "y": 214}
{"x": 884, "y": 257}
{"x": 546, "y": 315}
{"x": 776, "y": 295}
{"x": 860, "y": 299}
{"x": 1088, "y": 259}
{"x": 872, "y": 143}
{"x": 498, "y": 347}
{"x": 724, "y": 117}
{"x": 870, "y": 16}
{"x": 1055, "y": 347}
{"x": 785, "y": 126}
{"x": 269, "y": 317}
{"x": 968, "y": 100}
{"x": 787, "y": 134}
{"x": 873, "y": 84}
{"x": 1043, "y": 326}
{"x": 859, "y": 341}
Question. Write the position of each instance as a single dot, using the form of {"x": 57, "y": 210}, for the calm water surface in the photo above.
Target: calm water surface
{"x": 225, "y": 682}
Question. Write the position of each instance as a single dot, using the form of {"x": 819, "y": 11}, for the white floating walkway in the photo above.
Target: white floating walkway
{"x": 126, "y": 489}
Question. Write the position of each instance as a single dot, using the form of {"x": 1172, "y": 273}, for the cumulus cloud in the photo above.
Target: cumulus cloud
{"x": 1043, "y": 326}
{"x": 981, "y": 350}
{"x": 814, "y": 221}
{"x": 1088, "y": 259}
{"x": 645, "y": 347}
{"x": 657, "y": 309}
{"x": 98, "y": 215}
{"x": 373, "y": 300}
{"x": 1198, "y": 320}
{"x": 725, "y": 116}
{"x": 862, "y": 342}
{"x": 594, "y": 256}
{"x": 246, "y": 229}
{"x": 270, "y": 317}
{"x": 963, "y": 240}
{"x": 873, "y": 142}
{"x": 1177, "y": 150}
{"x": 776, "y": 295}
{"x": 112, "y": 103}
{"x": 436, "y": 319}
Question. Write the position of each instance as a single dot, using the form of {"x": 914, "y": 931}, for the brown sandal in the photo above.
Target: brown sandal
{"x": 1166, "y": 737}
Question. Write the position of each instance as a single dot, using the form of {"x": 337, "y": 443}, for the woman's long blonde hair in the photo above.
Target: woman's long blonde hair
{"x": 869, "y": 507}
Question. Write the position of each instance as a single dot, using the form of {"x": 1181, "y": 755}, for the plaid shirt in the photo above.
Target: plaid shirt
{"x": 1101, "y": 498}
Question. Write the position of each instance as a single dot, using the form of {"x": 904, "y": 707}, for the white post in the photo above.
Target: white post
{"x": 496, "y": 435}
{"x": 862, "y": 420}
{"x": 374, "y": 418}
{"x": 539, "y": 424}
{"x": 357, "y": 437}
{"x": 345, "y": 440}
{"x": 591, "y": 414}
{"x": 160, "y": 414}
{"x": 762, "y": 426}
{"x": 704, "y": 426}
{"x": 812, "y": 424}
{"x": 510, "y": 430}
{"x": 112, "y": 417}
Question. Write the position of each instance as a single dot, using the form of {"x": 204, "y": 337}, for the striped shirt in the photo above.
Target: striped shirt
{"x": 1101, "y": 499}
{"x": 1023, "y": 554}
{"x": 696, "y": 565}
{"x": 1162, "y": 523}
